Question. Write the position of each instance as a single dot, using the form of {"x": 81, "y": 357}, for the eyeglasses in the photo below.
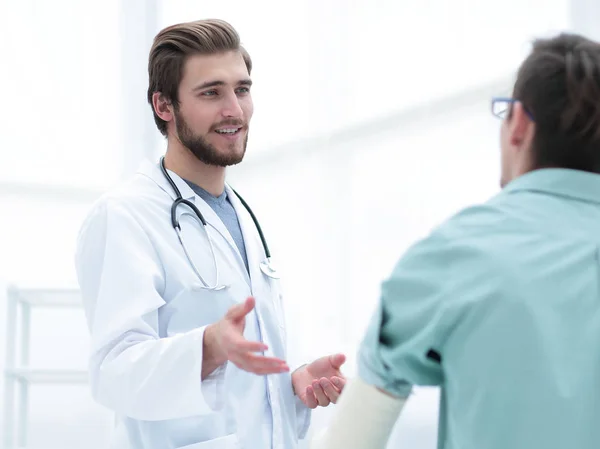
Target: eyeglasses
{"x": 501, "y": 107}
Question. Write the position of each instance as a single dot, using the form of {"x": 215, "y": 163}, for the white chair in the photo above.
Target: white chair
{"x": 18, "y": 375}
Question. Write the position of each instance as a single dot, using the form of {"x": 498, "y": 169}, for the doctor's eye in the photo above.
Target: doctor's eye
{"x": 243, "y": 90}
{"x": 209, "y": 93}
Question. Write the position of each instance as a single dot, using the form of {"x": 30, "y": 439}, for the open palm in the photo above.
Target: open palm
{"x": 320, "y": 382}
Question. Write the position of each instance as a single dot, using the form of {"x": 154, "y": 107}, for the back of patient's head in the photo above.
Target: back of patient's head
{"x": 559, "y": 85}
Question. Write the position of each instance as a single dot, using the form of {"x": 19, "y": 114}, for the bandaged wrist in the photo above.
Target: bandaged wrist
{"x": 363, "y": 419}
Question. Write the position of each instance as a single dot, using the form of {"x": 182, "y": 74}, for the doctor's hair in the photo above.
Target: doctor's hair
{"x": 174, "y": 44}
{"x": 559, "y": 85}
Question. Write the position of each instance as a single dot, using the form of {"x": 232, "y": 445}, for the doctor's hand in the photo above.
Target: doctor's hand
{"x": 320, "y": 382}
{"x": 224, "y": 341}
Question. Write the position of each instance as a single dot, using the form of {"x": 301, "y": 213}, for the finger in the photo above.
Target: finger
{"x": 322, "y": 398}
{"x": 337, "y": 360}
{"x": 338, "y": 382}
{"x": 267, "y": 371}
{"x": 262, "y": 369}
{"x": 309, "y": 398}
{"x": 329, "y": 390}
{"x": 242, "y": 345}
{"x": 263, "y": 366}
{"x": 239, "y": 311}
{"x": 256, "y": 358}
{"x": 258, "y": 364}
{"x": 259, "y": 361}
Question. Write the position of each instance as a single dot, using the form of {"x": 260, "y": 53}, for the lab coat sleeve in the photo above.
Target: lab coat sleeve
{"x": 303, "y": 418}
{"x": 420, "y": 304}
{"x": 132, "y": 371}
{"x": 298, "y": 359}
{"x": 296, "y": 356}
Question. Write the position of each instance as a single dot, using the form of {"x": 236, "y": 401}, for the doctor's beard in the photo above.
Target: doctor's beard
{"x": 203, "y": 150}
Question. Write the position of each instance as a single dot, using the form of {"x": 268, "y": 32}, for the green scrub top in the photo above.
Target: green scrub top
{"x": 500, "y": 307}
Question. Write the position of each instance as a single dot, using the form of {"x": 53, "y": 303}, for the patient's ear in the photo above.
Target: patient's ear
{"x": 520, "y": 127}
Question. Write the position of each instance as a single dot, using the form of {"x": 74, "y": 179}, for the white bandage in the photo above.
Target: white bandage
{"x": 363, "y": 419}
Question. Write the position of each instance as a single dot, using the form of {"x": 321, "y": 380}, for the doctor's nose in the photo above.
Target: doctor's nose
{"x": 232, "y": 107}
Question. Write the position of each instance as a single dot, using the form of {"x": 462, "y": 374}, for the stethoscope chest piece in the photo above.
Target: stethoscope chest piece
{"x": 266, "y": 266}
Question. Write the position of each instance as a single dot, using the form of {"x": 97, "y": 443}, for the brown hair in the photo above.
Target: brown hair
{"x": 559, "y": 85}
{"x": 174, "y": 44}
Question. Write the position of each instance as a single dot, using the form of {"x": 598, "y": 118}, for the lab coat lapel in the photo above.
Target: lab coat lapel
{"x": 262, "y": 287}
{"x": 252, "y": 242}
{"x": 154, "y": 172}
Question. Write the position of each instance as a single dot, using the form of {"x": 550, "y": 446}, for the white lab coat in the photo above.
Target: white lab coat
{"x": 147, "y": 315}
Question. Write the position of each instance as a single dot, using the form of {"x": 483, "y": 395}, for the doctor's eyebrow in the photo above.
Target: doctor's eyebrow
{"x": 244, "y": 82}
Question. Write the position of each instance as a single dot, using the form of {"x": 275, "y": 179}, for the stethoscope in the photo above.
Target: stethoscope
{"x": 265, "y": 266}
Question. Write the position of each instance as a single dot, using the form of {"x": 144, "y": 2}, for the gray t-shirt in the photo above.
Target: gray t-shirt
{"x": 225, "y": 211}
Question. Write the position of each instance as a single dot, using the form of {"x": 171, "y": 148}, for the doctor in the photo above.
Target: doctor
{"x": 186, "y": 318}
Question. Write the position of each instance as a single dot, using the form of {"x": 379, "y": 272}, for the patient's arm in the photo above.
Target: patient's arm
{"x": 363, "y": 419}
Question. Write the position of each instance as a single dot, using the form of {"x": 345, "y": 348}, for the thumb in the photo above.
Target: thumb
{"x": 337, "y": 360}
{"x": 239, "y": 311}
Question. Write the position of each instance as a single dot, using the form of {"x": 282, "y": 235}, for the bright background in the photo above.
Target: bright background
{"x": 372, "y": 124}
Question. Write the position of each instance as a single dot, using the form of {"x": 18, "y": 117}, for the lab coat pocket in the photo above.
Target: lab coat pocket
{"x": 226, "y": 442}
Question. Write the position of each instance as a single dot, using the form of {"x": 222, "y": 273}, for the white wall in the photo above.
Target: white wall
{"x": 60, "y": 143}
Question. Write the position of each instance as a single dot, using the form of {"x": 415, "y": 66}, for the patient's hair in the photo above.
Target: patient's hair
{"x": 174, "y": 44}
{"x": 559, "y": 85}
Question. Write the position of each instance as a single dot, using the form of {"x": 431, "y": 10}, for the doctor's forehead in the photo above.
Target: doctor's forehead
{"x": 201, "y": 71}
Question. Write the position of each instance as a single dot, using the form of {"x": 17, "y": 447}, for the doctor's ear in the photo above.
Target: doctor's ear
{"x": 162, "y": 106}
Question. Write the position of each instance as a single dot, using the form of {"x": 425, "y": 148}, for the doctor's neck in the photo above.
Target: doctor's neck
{"x": 187, "y": 166}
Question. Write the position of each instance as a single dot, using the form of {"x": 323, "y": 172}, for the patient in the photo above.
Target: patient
{"x": 500, "y": 305}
